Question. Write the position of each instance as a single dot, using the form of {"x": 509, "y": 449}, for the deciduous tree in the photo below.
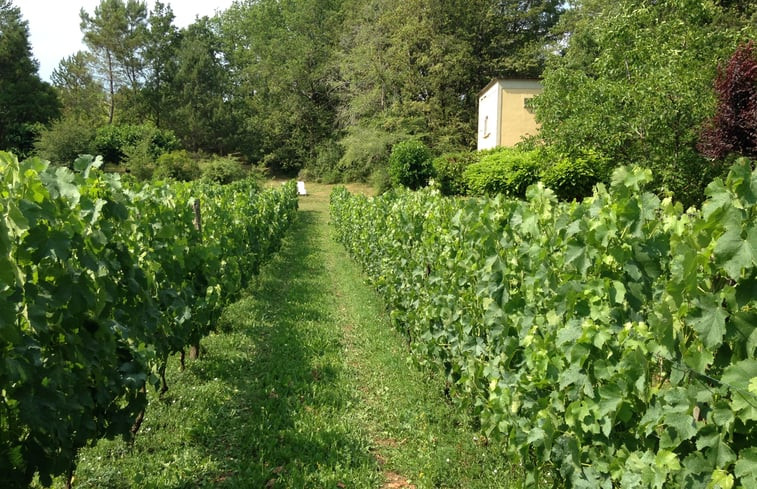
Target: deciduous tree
{"x": 634, "y": 84}
{"x": 281, "y": 56}
{"x": 202, "y": 115}
{"x": 84, "y": 108}
{"x": 416, "y": 66}
{"x": 733, "y": 129}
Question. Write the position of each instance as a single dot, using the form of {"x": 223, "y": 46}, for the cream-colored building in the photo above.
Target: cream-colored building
{"x": 503, "y": 113}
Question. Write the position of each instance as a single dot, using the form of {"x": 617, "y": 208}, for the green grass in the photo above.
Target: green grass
{"x": 304, "y": 385}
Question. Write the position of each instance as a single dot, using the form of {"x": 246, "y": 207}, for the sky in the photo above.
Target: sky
{"x": 54, "y": 24}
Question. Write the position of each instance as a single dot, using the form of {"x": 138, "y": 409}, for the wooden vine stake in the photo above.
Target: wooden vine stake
{"x": 194, "y": 350}
{"x": 198, "y": 217}
{"x": 140, "y": 418}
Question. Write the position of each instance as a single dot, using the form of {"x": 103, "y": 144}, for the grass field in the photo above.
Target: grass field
{"x": 305, "y": 385}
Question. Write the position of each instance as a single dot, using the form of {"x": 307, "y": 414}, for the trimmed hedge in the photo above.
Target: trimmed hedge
{"x": 574, "y": 177}
{"x": 507, "y": 171}
{"x": 410, "y": 164}
{"x": 449, "y": 169}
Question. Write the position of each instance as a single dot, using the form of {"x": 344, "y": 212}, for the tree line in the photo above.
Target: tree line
{"x": 329, "y": 86}
{"x": 323, "y": 84}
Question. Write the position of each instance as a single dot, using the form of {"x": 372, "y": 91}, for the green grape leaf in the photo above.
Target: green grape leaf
{"x": 745, "y": 468}
{"x": 666, "y": 459}
{"x": 85, "y": 163}
{"x": 618, "y": 292}
{"x": 17, "y": 221}
{"x": 711, "y": 442}
{"x": 679, "y": 427}
{"x": 739, "y": 374}
{"x": 721, "y": 480}
{"x": 736, "y": 254}
{"x": 719, "y": 198}
{"x": 738, "y": 377}
{"x": 742, "y": 180}
{"x": 698, "y": 360}
{"x": 709, "y": 323}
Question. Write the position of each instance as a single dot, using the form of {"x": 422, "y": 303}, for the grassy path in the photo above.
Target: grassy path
{"x": 305, "y": 385}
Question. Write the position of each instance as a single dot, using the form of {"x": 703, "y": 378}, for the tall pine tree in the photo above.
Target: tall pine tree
{"x": 116, "y": 34}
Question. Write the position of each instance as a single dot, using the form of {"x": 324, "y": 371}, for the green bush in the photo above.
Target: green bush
{"x": 410, "y": 164}
{"x": 380, "y": 181}
{"x": 177, "y": 165}
{"x": 324, "y": 167}
{"x": 573, "y": 177}
{"x": 139, "y": 160}
{"x": 113, "y": 141}
{"x": 366, "y": 148}
{"x": 506, "y": 171}
{"x": 223, "y": 170}
{"x": 64, "y": 141}
{"x": 449, "y": 169}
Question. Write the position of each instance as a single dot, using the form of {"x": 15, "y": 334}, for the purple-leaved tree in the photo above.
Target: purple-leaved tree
{"x": 733, "y": 129}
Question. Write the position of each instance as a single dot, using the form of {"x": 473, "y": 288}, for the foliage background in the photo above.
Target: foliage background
{"x": 328, "y": 87}
{"x": 635, "y": 84}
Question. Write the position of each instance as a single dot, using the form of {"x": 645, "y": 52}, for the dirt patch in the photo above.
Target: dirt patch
{"x": 396, "y": 481}
{"x": 380, "y": 459}
{"x": 393, "y": 479}
{"x": 388, "y": 442}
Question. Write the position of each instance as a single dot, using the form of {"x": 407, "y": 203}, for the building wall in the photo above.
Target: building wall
{"x": 503, "y": 116}
{"x": 488, "y": 117}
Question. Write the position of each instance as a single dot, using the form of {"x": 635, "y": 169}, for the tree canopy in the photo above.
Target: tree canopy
{"x": 325, "y": 84}
{"x": 115, "y": 34}
{"x": 414, "y": 67}
{"x": 733, "y": 129}
{"x": 329, "y": 86}
{"x": 635, "y": 84}
{"x": 26, "y": 102}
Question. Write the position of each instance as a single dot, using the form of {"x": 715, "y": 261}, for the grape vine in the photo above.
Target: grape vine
{"x": 611, "y": 342}
{"x": 100, "y": 281}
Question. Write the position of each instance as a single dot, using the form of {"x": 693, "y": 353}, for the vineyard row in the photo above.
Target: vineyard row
{"x": 610, "y": 342}
{"x": 102, "y": 280}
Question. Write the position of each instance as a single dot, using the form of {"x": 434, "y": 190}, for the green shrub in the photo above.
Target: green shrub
{"x": 366, "y": 148}
{"x": 258, "y": 172}
{"x": 223, "y": 170}
{"x": 380, "y": 181}
{"x": 113, "y": 141}
{"x": 64, "y": 141}
{"x": 686, "y": 178}
{"x": 506, "y": 171}
{"x": 573, "y": 177}
{"x": 449, "y": 169}
{"x": 177, "y": 165}
{"x": 410, "y": 164}
{"x": 324, "y": 167}
{"x": 139, "y": 161}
